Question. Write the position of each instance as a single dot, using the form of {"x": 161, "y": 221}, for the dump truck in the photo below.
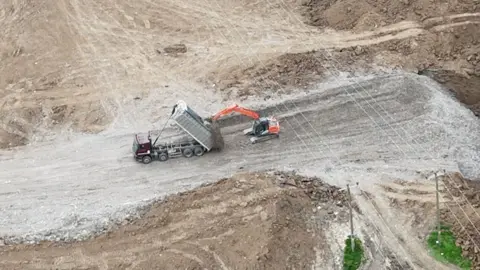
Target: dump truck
{"x": 199, "y": 139}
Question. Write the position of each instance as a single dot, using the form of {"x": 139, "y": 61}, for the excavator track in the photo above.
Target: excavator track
{"x": 255, "y": 140}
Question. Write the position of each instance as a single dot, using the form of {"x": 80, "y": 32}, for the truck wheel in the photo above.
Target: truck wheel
{"x": 187, "y": 152}
{"x": 146, "y": 159}
{"x": 163, "y": 157}
{"x": 198, "y": 151}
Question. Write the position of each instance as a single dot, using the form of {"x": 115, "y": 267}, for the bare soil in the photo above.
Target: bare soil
{"x": 368, "y": 14}
{"x": 73, "y": 66}
{"x": 447, "y": 49}
{"x": 44, "y": 81}
{"x": 250, "y": 221}
{"x": 439, "y": 39}
{"x": 463, "y": 213}
{"x": 459, "y": 208}
{"x": 78, "y": 76}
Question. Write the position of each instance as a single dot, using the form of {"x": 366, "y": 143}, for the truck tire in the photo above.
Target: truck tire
{"x": 163, "y": 157}
{"x": 146, "y": 159}
{"x": 198, "y": 150}
{"x": 187, "y": 152}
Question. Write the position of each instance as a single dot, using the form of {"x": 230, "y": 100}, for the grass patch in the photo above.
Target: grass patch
{"x": 447, "y": 251}
{"x": 352, "y": 259}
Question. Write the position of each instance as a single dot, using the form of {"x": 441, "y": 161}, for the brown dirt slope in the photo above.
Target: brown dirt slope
{"x": 365, "y": 14}
{"x": 435, "y": 38}
{"x": 463, "y": 213}
{"x": 251, "y": 221}
{"x": 40, "y": 82}
{"x": 448, "y": 51}
{"x": 292, "y": 72}
{"x": 68, "y": 64}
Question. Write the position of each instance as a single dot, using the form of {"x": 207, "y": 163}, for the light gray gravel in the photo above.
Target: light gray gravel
{"x": 392, "y": 126}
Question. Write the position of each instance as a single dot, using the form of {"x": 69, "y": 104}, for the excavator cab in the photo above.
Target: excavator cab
{"x": 263, "y": 129}
{"x": 260, "y": 127}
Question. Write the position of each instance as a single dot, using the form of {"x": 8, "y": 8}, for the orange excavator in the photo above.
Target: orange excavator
{"x": 263, "y": 128}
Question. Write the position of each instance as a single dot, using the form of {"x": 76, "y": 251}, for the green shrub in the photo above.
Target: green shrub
{"x": 447, "y": 250}
{"x": 352, "y": 259}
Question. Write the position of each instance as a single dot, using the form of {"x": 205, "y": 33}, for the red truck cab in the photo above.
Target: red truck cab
{"x": 142, "y": 146}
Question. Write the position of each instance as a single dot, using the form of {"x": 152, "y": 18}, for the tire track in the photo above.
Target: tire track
{"x": 107, "y": 185}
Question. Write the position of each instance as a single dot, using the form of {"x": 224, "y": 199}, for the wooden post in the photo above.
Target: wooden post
{"x": 352, "y": 241}
{"x": 438, "y": 209}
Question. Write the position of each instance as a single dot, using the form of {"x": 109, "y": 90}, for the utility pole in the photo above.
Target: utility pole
{"x": 352, "y": 241}
{"x": 438, "y": 209}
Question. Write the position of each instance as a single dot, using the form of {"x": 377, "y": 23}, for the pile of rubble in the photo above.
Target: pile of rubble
{"x": 314, "y": 187}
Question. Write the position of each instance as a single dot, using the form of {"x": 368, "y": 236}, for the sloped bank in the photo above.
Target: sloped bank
{"x": 252, "y": 220}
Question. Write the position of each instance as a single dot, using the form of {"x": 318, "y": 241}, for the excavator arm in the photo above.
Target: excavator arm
{"x": 236, "y": 108}
{"x": 263, "y": 128}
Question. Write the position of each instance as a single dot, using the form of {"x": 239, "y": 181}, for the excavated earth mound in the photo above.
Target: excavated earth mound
{"x": 348, "y": 14}
{"x": 250, "y": 221}
{"x": 440, "y": 38}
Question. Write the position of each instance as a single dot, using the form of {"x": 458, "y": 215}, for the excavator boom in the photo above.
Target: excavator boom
{"x": 236, "y": 108}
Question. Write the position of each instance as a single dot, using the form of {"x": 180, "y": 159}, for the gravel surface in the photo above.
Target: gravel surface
{"x": 389, "y": 127}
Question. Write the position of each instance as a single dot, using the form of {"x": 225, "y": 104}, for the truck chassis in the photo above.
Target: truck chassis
{"x": 165, "y": 151}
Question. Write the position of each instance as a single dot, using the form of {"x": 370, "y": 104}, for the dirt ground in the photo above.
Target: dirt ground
{"x": 435, "y": 38}
{"x": 76, "y": 66}
{"x": 463, "y": 213}
{"x": 76, "y": 75}
{"x": 265, "y": 220}
{"x": 459, "y": 208}
{"x": 251, "y": 221}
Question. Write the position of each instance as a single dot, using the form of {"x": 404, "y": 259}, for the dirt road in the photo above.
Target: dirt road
{"x": 90, "y": 181}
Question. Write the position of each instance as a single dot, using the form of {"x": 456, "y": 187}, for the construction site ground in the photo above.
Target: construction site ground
{"x": 379, "y": 93}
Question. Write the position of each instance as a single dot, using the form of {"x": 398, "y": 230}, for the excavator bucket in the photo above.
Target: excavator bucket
{"x": 217, "y": 137}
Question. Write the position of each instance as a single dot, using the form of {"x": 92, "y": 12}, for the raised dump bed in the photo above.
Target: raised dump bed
{"x": 193, "y": 124}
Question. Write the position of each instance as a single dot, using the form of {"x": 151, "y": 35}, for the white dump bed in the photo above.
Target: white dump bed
{"x": 193, "y": 124}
